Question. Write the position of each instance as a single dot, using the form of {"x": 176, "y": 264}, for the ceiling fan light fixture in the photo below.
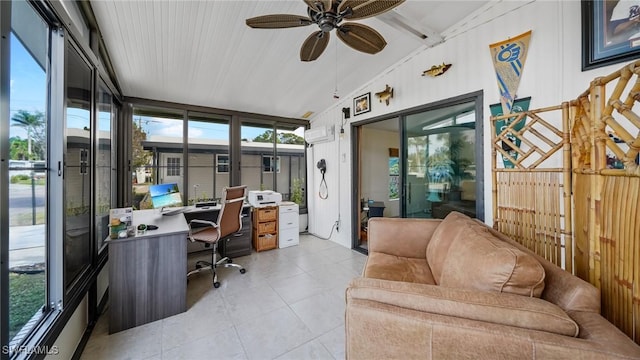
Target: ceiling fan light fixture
{"x": 328, "y": 15}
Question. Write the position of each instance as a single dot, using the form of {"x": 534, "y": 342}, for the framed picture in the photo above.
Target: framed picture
{"x": 362, "y": 104}
{"x": 610, "y": 32}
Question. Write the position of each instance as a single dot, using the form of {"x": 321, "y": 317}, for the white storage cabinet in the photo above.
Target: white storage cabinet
{"x": 288, "y": 225}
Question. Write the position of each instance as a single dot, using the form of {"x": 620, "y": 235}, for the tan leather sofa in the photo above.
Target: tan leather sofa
{"x": 456, "y": 289}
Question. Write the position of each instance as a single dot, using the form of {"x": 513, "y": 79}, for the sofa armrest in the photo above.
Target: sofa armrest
{"x": 497, "y": 308}
{"x": 400, "y": 237}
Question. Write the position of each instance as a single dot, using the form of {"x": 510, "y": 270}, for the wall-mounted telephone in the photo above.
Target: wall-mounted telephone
{"x": 323, "y": 192}
{"x": 322, "y": 165}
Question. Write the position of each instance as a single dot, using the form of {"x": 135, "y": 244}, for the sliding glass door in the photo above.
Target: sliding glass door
{"x": 440, "y": 162}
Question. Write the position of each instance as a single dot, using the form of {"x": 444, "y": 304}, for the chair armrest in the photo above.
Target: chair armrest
{"x": 497, "y": 308}
{"x": 400, "y": 236}
{"x": 205, "y": 222}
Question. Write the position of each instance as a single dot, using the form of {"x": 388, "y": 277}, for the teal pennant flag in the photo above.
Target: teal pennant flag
{"x": 519, "y": 105}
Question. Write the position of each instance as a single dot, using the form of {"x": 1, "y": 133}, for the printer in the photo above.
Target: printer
{"x": 259, "y": 198}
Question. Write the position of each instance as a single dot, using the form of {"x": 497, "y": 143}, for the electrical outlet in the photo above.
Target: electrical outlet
{"x": 338, "y": 226}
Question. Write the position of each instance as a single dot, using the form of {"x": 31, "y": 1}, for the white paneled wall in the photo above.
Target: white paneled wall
{"x": 552, "y": 74}
{"x": 375, "y": 166}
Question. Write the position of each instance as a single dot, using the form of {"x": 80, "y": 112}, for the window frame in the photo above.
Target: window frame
{"x": 219, "y": 163}
{"x": 173, "y": 169}
{"x": 270, "y": 166}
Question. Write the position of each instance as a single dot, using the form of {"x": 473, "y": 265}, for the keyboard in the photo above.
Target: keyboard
{"x": 206, "y": 204}
{"x": 174, "y": 211}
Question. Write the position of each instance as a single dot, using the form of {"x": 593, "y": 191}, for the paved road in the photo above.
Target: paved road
{"x": 26, "y": 243}
{"x": 21, "y": 199}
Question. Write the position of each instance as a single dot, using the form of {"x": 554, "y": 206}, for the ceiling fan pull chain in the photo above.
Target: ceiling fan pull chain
{"x": 335, "y": 91}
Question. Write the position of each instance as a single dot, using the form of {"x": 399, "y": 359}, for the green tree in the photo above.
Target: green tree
{"x": 267, "y": 137}
{"x": 34, "y": 124}
{"x": 18, "y": 149}
{"x": 296, "y": 191}
{"x": 283, "y": 138}
{"x": 141, "y": 157}
{"x": 290, "y": 138}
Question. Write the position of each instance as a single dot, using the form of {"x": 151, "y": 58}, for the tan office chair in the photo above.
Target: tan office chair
{"x": 229, "y": 222}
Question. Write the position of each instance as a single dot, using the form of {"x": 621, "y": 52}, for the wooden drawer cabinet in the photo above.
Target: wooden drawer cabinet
{"x": 267, "y": 213}
{"x": 265, "y": 228}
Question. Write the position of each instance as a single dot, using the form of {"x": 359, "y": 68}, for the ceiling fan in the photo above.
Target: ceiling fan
{"x": 328, "y": 15}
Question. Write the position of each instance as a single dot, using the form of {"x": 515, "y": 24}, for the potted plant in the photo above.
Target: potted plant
{"x": 297, "y": 196}
{"x": 296, "y": 191}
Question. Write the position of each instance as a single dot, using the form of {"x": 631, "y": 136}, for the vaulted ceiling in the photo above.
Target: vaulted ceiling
{"x": 203, "y": 53}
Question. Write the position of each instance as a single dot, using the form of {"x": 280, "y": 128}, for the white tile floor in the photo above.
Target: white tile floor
{"x": 288, "y": 305}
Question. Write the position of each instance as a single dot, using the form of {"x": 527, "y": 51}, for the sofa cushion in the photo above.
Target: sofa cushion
{"x": 503, "y": 309}
{"x": 475, "y": 259}
{"x": 396, "y": 268}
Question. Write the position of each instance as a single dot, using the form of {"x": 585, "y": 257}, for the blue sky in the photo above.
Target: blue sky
{"x": 197, "y": 129}
{"x": 28, "y": 84}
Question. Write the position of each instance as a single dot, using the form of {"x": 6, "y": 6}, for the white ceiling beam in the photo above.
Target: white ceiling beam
{"x": 422, "y": 33}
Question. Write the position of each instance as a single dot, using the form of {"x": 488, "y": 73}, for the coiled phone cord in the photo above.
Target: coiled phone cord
{"x": 323, "y": 192}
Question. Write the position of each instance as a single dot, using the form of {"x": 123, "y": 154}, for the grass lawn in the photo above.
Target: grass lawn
{"x": 27, "y": 218}
{"x": 26, "y": 297}
{"x": 28, "y": 181}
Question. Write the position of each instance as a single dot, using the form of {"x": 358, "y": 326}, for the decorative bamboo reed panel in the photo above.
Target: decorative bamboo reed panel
{"x": 607, "y": 201}
{"x": 530, "y": 201}
{"x": 528, "y": 211}
{"x": 582, "y": 257}
{"x": 620, "y": 251}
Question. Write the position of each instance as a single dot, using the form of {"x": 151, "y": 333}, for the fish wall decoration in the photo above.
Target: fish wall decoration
{"x": 437, "y": 70}
{"x": 385, "y": 95}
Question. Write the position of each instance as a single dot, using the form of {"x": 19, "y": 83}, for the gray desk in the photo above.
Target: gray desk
{"x": 147, "y": 273}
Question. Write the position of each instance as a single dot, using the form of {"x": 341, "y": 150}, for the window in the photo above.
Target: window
{"x": 257, "y": 142}
{"x": 290, "y": 147}
{"x": 394, "y": 174}
{"x": 27, "y": 222}
{"x": 173, "y": 166}
{"x": 222, "y": 163}
{"x": 208, "y": 167}
{"x": 157, "y": 147}
{"x": 268, "y": 165}
{"x": 77, "y": 179}
{"x": 104, "y": 194}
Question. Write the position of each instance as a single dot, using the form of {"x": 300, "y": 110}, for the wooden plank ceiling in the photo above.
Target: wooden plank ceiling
{"x": 202, "y": 53}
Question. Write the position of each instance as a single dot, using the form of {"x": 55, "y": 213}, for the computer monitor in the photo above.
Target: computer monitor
{"x": 165, "y": 195}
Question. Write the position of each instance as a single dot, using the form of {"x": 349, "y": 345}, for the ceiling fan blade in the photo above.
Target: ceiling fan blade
{"x": 314, "y": 46}
{"x": 361, "y": 37}
{"x": 278, "y": 21}
{"x": 361, "y": 9}
{"x": 313, "y": 4}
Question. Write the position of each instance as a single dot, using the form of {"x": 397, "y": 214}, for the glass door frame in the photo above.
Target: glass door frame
{"x": 476, "y": 96}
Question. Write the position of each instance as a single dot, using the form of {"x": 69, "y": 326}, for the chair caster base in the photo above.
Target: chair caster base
{"x": 216, "y": 284}
{"x": 229, "y": 261}
{"x": 242, "y": 271}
